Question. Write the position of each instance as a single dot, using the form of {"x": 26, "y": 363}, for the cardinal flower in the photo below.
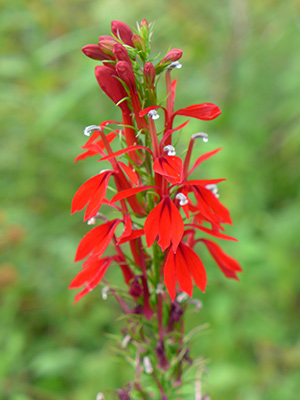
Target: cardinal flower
{"x": 92, "y": 192}
{"x": 181, "y": 267}
{"x": 165, "y": 222}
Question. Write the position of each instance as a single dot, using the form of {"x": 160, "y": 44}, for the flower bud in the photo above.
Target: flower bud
{"x": 106, "y": 44}
{"x": 122, "y": 31}
{"x": 144, "y": 27}
{"x": 172, "y": 55}
{"x": 136, "y": 290}
{"x": 139, "y": 43}
{"x": 125, "y": 72}
{"x": 149, "y": 74}
{"x": 121, "y": 53}
{"x": 93, "y": 51}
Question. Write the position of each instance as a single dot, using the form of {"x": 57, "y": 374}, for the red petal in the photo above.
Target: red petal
{"x": 228, "y": 265}
{"x": 203, "y": 182}
{"x": 170, "y": 275}
{"x": 129, "y": 192}
{"x": 96, "y": 240}
{"x": 195, "y": 266}
{"x": 123, "y": 151}
{"x": 84, "y": 193}
{"x": 205, "y": 111}
{"x": 151, "y": 225}
{"x": 134, "y": 235}
{"x": 177, "y": 226}
{"x": 170, "y": 167}
{"x": 164, "y": 223}
{"x": 204, "y": 157}
{"x": 130, "y": 173}
{"x": 96, "y": 201}
{"x": 182, "y": 272}
{"x": 213, "y": 233}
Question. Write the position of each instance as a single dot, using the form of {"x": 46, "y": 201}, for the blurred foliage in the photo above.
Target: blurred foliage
{"x": 242, "y": 55}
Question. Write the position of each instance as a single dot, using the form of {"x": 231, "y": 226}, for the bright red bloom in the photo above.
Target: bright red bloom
{"x": 165, "y": 222}
{"x": 228, "y": 265}
{"x": 204, "y": 111}
{"x": 96, "y": 240}
{"x": 92, "y": 273}
{"x": 181, "y": 267}
{"x": 92, "y": 192}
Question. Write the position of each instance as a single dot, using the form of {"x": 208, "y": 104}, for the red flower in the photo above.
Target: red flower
{"x": 166, "y": 222}
{"x": 122, "y": 31}
{"x": 93, "y": 271}
{"x": 92, "y": 192}
{"x": 228, "y": 265}
{"x": 181, "y": 267}
{"x": 96, "y": 240}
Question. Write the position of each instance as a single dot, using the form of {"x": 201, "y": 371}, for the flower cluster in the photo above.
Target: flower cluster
{"x": 162, "y": 212}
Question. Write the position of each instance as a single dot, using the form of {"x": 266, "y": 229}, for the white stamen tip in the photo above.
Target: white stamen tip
{"x": 202, "y": 135}
{"x": 174, "y": 64}
{"x": 170, "y": 149}
{"x": 147, "y": 365}
{"x": 104, "y": 292}
{"x": 125, "y": 341}
{"x": 198, "y": 304}
{"x": 214, "y": 189}
{"x": 183, "y": 200}
{"x": 153, "y": 114}
{"x": 91, "y": 221}
{"x": 181, "y": 297}
{"x": 159, "y": 289}
{"x": 89, "y": 129}
{"x": 100, "y": 396}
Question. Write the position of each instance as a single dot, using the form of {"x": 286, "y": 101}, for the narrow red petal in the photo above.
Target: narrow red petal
{"x": 130, "y": 192}
{"x": 202, "y": 158}
{"x": 170, "y": 275}
{"x": 182, "y": 272}
{"x": 126, "y": 150}
{"x": 151, "y": 226}
{"x": 195, "y": 266}
{"x": 84, "y": 193}
{"x": 204, "y": 111}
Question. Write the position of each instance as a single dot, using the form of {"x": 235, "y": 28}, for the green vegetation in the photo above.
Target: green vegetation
{"x": 243, "y": 56}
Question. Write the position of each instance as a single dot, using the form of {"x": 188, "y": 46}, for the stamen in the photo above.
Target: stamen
{"x": 170, "y": 149}
{"x": 183, "y": 200}
{"x": 198, "y": 304}
{"x": 159, "y": 289}
{"x": 202, "y": 135}
{"x": 181, "y": 297}
{"x": 91, "y": 221}
{"x": 104, "y": 292}
{"x": 100, "y": 396}
{"x": 153, "y": 114}
{"x": 147, "y": 365}
{"x": 174, "y": 64}
{"x": 125, "y": 341}
{"x": 214, "y": 189}
{"x": 89, "y": 129}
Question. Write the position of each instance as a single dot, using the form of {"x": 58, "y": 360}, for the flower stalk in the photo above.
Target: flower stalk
{"x": 164, "y": 216}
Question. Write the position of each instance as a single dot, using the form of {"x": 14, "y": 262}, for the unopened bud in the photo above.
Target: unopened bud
{"x": 172, "y": 55}
{"x": 121, "y": 53}
{"x": 183, "y": 200}
{"x": 93, "y": 51}
{"x": 147, "y": 365}
{"x": 170, "y": 149}
{"x": 125, "y": 72}
{"x": 149, "y": 74}
{"x": 104, "y": 292}
{"x": 139, "y": 43}
{"x": 153, "y": 114}
{"x": 122, "y": 31}
{"x": 201, "y": 135}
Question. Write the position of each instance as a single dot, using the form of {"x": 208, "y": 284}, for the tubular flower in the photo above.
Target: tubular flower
{"x": 165, "y": 222}
{"x": 181, "y": 267}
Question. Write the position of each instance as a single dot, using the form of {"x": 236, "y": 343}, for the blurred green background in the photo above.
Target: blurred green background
{"x": 243, "y": 56}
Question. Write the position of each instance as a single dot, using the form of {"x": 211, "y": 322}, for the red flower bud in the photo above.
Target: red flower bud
{"x": 125, "y": 72}
{"x": 122, "y": 31}
{"x": 172, "y": 55}
{"x": 139, "y": 42}
{"x": 149, "y": 74}
{"x": 93, "y": 51}
{"x": 121, "y": 53}
{"x": 111, "y": 86}
{"x": 106, "y": 44}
